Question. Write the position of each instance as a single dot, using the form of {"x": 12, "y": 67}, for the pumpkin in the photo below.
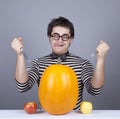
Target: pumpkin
{"x": 58, "y": 89}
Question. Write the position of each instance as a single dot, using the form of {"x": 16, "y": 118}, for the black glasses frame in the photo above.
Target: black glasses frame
{"x": 64, "y": 37}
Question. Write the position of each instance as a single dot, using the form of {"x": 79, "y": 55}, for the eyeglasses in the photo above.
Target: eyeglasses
{"x": 56, "y": 36}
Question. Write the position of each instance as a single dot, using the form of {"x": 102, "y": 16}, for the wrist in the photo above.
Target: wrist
{"x": 100, "y": 61}
{"x": 20, "y": 56}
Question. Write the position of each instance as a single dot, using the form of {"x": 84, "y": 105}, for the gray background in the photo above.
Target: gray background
{"x": 93, "y": 20}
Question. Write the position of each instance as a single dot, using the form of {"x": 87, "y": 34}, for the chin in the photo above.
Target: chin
{"x": 58, "y": 52}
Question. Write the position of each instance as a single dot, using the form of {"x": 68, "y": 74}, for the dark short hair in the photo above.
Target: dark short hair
{"x": 61, "y": 21}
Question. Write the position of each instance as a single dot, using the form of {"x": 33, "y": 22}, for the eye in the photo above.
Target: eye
{"x": 65, "y": 36}
{"x": 55, "y": 35}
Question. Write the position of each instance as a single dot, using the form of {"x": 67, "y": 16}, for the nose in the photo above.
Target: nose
{"x": 60, "y": 39}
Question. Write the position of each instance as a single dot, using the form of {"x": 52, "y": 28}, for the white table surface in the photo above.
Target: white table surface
{"x": 96, "y": 114}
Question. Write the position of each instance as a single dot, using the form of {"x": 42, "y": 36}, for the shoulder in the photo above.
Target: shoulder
{"x": 41, "y": 59}
{"x": 44, "y": 57}
{"x": 76, "y": 57}
{"x": 79, "y": 59}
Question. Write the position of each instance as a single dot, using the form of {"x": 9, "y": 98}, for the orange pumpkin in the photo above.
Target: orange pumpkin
{"x": 58, "y": 89}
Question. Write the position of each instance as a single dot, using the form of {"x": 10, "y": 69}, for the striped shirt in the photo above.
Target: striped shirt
{"x": 82, "y": 67}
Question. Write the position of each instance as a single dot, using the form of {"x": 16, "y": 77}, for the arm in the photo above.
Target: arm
{"x": 98, "y": 76}
{"x": 20, "y": 75}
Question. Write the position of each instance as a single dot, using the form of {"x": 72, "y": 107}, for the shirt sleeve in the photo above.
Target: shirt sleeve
{"x": 87, "y": 73}
{"x": 33, "y": 76}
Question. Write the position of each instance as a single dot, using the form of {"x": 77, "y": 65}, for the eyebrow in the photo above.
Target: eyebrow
{"x": 62, "y": 34}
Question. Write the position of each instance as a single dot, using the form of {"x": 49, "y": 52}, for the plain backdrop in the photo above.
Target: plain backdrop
{"x": 94, "y": 20}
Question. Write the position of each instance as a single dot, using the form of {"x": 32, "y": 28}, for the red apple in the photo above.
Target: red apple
{"x": 30, "y": 107}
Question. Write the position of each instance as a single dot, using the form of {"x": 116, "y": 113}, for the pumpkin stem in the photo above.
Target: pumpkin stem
{"x": 59, "y": 60}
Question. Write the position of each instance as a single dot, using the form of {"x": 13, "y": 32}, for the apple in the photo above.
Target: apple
{"x": 30, "y": 107}
{"x": 86, "y": 107}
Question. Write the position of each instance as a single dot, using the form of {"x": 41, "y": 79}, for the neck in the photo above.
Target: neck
{"x": 59, "y": 54}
